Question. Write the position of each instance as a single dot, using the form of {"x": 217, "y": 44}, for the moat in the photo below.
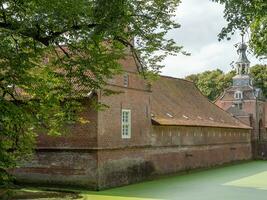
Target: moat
{"x": 244, "y": 181}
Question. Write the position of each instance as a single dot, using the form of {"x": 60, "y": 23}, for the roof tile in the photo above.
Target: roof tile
{"x": 182, "y": 98}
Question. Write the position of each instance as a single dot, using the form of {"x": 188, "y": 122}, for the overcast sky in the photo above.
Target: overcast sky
{"x": 201, "y": 21}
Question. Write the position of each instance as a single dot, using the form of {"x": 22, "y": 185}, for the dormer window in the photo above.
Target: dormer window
{"x": 125, "y": 80}
{"x": 169, "y": 115}
{"x": 238, "y": 95}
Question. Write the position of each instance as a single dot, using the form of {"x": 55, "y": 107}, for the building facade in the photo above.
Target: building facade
{"x": 147, "y": 131}
{"x": 246, "y": 102}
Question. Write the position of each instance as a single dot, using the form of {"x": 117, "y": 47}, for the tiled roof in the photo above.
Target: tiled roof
{"x": 78, "y": 89}
{"x": 249, "y": 93}
{"x": 179, "y": 102}
{"x": 228, "y": 95}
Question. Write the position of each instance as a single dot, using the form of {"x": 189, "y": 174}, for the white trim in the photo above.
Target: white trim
{"x": 126, "y": 124}
{"x": 238, "y": 95}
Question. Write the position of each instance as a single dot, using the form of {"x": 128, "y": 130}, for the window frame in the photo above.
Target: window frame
{"x": 238, "y": 95}
{"x": 125, "y": 123}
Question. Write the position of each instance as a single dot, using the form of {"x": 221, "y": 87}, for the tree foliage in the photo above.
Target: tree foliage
{"x": 213, "y": 83}
{"x": 49, "y": 48}
{"x": 247, "y": 14}
{"x": 259, "y": 75}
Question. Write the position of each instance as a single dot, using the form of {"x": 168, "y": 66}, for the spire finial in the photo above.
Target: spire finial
{"x": 242, "y": 64}
{"x": 242, "y": 48}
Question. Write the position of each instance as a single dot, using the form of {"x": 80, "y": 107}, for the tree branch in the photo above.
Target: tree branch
{"x": 5, "y": 91}
{"x": 136, "y": 57}
{"x": 36, "y": 35}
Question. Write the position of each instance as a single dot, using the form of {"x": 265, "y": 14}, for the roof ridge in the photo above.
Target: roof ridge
{"x": 181, "y": 79}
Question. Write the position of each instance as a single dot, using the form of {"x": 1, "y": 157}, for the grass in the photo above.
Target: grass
{"x": 243, "y": 181}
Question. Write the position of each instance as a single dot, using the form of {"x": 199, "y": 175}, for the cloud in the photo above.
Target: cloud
{"x": 209, "y": 57}
{"x": 200, "y": 25}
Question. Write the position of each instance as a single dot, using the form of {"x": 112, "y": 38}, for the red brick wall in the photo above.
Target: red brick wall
{"x": 96, "y": 156}
{"x": 77, "y": 136}
{"x": 54, "y": 167}
{"x": 125, "y": 166}
{"x": 252, "y": 107}
{"x": 135, "y": 97}
{"x": 172, "y": 149}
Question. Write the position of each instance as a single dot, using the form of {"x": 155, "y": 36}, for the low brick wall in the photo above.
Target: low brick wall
{"x": 126, "y": 166}
{"x": 169, "y": 150}
{"x": 262, "y": 150}
{"x": 122, "y": 166}
{"x": 60, "y": 168}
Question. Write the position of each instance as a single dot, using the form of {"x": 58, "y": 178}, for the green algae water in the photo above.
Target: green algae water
{"x": 247, "y": 181}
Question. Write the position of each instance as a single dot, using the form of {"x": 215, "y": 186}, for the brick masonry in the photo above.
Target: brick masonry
{"x": 95, "y": 156}
{"x": 172, "y": 150}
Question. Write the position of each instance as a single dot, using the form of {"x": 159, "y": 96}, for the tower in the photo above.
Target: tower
{"x": 242, "y": 77}
{"x": 244, "y": 101}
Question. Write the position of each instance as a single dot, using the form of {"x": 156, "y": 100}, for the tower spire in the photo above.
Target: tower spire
{"x": 242, "y": 65}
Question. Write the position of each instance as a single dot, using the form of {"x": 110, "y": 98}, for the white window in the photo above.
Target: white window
{"x": 238, "y": 95}
{"x": 126, "y": 123}
{"x": 125, "y": 80}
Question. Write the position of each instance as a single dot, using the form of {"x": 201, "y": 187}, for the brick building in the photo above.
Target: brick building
{"x": 246, "y": 102}
{"x": 148, "y": 130}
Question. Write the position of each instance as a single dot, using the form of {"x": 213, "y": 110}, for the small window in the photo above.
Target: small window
{"x": 239, "y": 106}
{"x": 238, "y": 95}
{"x": 169, "y": 115}
{"x": 125, "y": 80}
{"x": 243, "y": 69}
{"x": 126, "y": 124}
